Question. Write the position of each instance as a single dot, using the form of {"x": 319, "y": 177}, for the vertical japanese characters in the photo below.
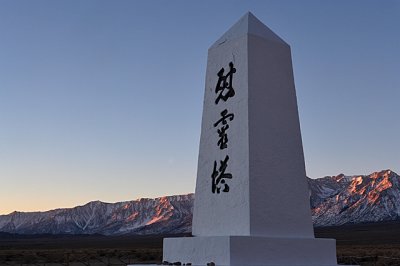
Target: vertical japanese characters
{"x": 224, "y": 90}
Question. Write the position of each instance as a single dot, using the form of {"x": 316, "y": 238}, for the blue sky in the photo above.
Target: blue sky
{"x": 102, "y": 99}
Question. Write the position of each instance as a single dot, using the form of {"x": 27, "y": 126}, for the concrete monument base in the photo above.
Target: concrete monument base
{"x": 252, "y": 203}
{"x": 250, "y": 250}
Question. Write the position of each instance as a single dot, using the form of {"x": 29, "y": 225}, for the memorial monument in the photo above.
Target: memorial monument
{"x": 252, "y": 200}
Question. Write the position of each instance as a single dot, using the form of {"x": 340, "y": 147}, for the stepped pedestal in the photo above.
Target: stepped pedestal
{"x": 250, "y": 250}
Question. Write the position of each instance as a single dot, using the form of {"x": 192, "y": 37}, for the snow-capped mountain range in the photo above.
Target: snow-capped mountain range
{"x": 335, "y": 200}
{"x": 338, "y": 200}
{"x": 165, "y": 215}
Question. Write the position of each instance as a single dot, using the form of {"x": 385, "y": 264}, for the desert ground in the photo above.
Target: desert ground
{"x": 369, "y": 244}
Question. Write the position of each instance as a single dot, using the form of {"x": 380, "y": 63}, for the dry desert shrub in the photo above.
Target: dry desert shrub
{"x": 368, "y": 255}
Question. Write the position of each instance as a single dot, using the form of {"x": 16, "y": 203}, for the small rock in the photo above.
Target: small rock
{"x": 211, "y": 264}
{"x": 165, "y": 262}
{"x": 177, "y": 263}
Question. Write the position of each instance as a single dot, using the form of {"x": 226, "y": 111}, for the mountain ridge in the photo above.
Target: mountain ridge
{"x": 335, "y": 200}
{"x": 96, "y": 217}
{"x": 341, "y": 199}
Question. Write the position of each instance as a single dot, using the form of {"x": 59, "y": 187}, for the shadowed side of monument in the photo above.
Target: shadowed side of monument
{"x": 279, "y": 197}
{"x": 252, "y": 201}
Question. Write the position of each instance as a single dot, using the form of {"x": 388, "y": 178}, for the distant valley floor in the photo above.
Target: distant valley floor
{"x": 366, "y": 244}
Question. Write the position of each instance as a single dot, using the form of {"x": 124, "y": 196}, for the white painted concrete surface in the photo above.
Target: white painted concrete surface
{"x": 250, "y": 250}
{"x": 265, "y": 218}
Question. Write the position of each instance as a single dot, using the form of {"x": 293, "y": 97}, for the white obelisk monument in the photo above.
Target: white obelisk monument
{"x": 252, "y": 201}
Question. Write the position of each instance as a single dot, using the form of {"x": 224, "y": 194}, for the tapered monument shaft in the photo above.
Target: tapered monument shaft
{"x": 268, "y": 193}
{"x": 252, "y": 201}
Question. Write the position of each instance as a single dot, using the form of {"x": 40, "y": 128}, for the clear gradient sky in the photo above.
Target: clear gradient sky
{"x": 102, "y": 100}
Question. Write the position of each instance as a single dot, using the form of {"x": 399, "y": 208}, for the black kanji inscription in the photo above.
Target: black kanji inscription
{"x": 219, "y": 176}
{"x": 224, "y": 86}
{"x": 223, "y": 136}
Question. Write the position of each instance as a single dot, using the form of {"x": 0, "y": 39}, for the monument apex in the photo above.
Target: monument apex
{"x": 248, "y": 24}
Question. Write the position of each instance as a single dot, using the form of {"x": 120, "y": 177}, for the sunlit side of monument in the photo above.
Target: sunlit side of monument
{"x": 252, "y": 200}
